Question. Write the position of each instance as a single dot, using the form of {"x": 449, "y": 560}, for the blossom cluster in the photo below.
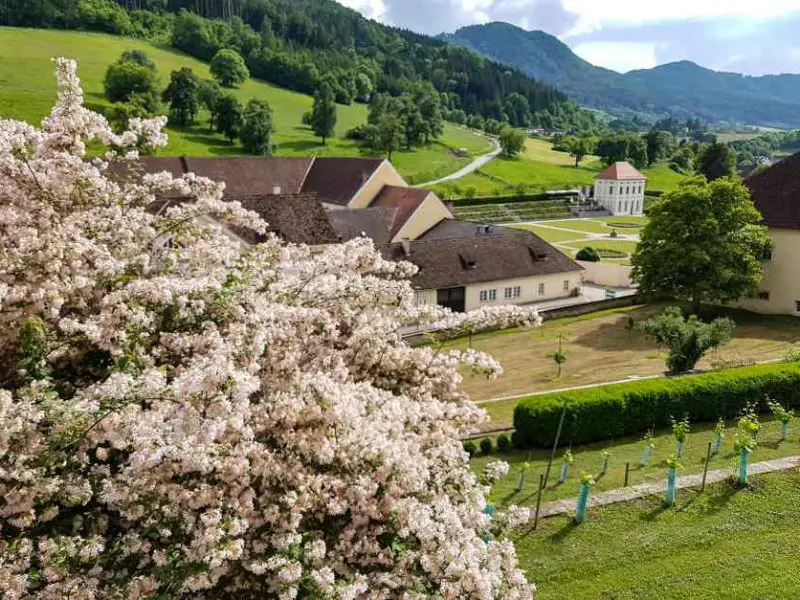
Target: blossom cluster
{"x": 187, "y": 416}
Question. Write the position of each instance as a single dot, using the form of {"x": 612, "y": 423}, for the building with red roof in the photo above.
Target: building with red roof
{"x": 620, "y": 189}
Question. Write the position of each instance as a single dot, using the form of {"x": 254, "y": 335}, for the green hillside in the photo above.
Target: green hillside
{"x": 540, "y": 168}
{"x": 27, "y": 91}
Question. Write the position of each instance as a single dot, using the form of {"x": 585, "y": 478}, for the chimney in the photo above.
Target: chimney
{"x": 276, "y": 190}
{"x": 487, "y": 229}
{"x": 406, "y": 246}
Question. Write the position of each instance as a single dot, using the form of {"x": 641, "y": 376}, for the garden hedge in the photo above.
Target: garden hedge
{"x": 617, "y": 410}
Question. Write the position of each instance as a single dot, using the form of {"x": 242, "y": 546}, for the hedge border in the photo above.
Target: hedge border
{"x": 618, "y": 410}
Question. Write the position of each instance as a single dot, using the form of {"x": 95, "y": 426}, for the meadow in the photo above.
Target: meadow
{"x": 28, "y": 90}
{"x": 540, "y": 168}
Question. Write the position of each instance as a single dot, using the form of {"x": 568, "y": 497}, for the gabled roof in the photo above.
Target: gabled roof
{"x": 403, "y": 200}
{"x": 621, "y": 171}
{"x": 337, "y": 180}
{"x": 252, "y": 176}
{"x": 776, "y": 193}
{"x": 477, "y": 258}
{"x": 373, "y": 223}
{"x": 295, "y": 218}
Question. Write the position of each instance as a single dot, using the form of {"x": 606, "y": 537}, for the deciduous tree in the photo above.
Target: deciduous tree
{"x": 183, "y": 96}
{"x": 202, "y": 419}
{"x": 512, "y": 141}
{"x": 687, "y": 339}
{"x": 228, "y": 116}
{"x": 133, "y": 75}
{"x": 702, "y": 243}
{"x": 229, "y": 68}
{"x": 257, "y": 128}
{"x": 323, "y": 113}
{"x": 716, "y": 160}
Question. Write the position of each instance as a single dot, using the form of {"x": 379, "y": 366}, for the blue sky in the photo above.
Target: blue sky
{"x": 754, "y": 36}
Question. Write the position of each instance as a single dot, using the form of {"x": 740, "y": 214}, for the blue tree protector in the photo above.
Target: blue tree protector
{"x": 564, "y": 471}
{"x": 648, "y": 450}
{"x": 717, "y": 444}
{"x": 583, "y": 503}
{"x": 744, "y": 460}
{"x": 672, "y": 490}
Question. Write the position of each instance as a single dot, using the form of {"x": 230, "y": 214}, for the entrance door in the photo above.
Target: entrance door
{"x": 452, "y": 298}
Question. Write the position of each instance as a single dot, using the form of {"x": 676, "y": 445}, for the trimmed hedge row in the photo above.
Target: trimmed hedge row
{"x": 627, "y": 408}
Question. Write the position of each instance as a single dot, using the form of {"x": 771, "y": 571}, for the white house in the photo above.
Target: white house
{"x": 620, "y": 189}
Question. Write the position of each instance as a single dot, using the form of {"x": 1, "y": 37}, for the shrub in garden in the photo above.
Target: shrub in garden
{"x": 470, "y": 448}
{"x": 486, "y": 445}
{"x": 588, "y": 254}
{"x": 687, "y": 339}
{"x": 503, "y": 442}
{"x": 199, "y": 419}
{"x": 623, "y": 409}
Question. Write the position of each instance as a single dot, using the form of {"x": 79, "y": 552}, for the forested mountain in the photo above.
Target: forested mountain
{"x": 681, "y": 89}
{"x": 297, "y": 44}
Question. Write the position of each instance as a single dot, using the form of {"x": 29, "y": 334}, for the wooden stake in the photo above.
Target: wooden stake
{"x": 705, "y": 468}
{"x": 627, "y": 473}
{"x": 538, "y": 501}
{"x": 555, "y": 444}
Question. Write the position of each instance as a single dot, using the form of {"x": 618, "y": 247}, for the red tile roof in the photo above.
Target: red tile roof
{"x": 621, "y": 171}
{"x": 403, "y": 200}
{"x": 776, "y": 193}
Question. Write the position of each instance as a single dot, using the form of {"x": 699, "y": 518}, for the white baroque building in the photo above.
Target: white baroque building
{"x": 620, "y": 189}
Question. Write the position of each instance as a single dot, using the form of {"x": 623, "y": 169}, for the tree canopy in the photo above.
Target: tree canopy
{"x": 257, "y": 128}
{"x": 512, "y": 142}
{"x": 323, "y": 113}
{"x": 229, "y": 68}
{"x": 702, "y": 244}
{"x": 688, "y": 339}
{"x": 187, "y": 416}
{"x": 183, "y": 96}
{"x": 716, "y": 160}
{"x": 133, "y": 78}
{"x": 228, "y": 115}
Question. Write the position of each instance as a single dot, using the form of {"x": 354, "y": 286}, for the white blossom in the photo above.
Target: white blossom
{"x": 211, "y": 420}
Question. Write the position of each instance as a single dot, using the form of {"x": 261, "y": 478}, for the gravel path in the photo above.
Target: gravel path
{"x": 473, "y": 166}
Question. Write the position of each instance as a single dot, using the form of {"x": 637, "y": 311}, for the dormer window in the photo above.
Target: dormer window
{"x": 537, "y": 255}
{"x": 467, "y": 262}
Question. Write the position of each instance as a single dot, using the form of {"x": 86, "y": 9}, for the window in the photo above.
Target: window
{"x": 566, "y": 285}
{"x": 611, "y": 189}
{"x": 797, "y": 305}
{"x": 488, "y": 295}
{"x": 541, "y": 289}
{"x": 513, "y": 292}
{"x": 766, "y": 253}
{"x": 627, "y": 189}
{"x": 763, "y": 295}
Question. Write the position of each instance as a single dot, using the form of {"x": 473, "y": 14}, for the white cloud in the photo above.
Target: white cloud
{"x": 594, "y": 13}
{"x": 619, "y": 56}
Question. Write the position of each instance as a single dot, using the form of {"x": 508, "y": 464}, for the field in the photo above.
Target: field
{"x": 540, "y": 168}
{"x": 28, "y": 90}
{"x": 725, "y": 544}
{"x": 600, "y": 348}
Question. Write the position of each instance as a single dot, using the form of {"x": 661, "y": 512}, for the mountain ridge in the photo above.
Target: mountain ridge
{"x": 680, "y": 89}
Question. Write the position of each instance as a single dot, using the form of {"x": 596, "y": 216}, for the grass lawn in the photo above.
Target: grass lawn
{"x": 618, "y": 245}
{"x": 28, "y": 90}
{"x": 552, "y": 235}
{"x": 660, "y": 178}
{"x": 587, "y": 225}
{"x": 540, "y": 150}
{"x": 725, "y": 544}
{"x": 589, "y": 459}
{"x": 599, "y": 349}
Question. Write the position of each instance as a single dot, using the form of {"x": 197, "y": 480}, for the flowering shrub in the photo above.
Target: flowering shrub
{"x": 206, "y": 419}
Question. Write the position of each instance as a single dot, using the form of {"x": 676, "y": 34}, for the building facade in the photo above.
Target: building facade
{"x": 323, "y": 201}
{"x": 776, "y": 194}
{"x": 620, "y": 189}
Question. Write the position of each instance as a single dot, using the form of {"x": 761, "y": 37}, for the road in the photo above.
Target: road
{"x": 473, "y": 166}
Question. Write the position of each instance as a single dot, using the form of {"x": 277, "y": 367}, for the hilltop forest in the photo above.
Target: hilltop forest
{"x": 298, "y": 44}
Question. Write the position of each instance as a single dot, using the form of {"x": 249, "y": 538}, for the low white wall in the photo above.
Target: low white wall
{"x": 606, "y": 274}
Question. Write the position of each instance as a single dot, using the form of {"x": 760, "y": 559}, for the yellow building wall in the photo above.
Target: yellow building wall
{"x": 429, "y": 213}
{"x": 529, "y": 288}
{"x": 781, "y": 276}
{"x": 385, "y": 174}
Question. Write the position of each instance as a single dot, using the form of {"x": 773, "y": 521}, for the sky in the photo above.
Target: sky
{"x": 755, "y": 37}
